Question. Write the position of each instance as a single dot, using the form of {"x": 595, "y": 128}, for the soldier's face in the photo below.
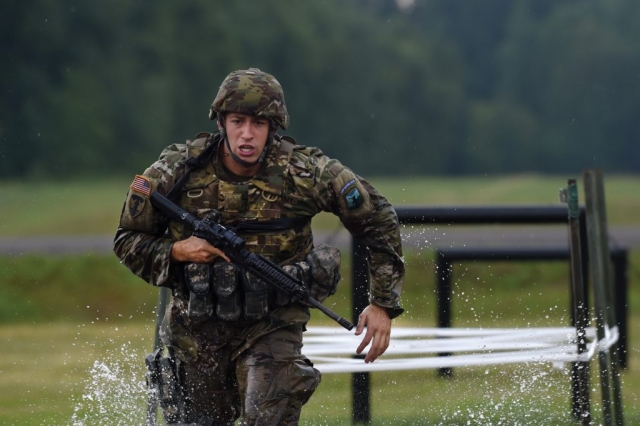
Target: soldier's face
{"x": 247, "y": 137}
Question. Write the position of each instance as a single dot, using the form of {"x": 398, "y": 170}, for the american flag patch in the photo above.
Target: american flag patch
{"x": 141, "y": 185}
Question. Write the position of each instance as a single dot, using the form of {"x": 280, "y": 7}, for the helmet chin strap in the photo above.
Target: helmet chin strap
{"x": 273, "y": 127}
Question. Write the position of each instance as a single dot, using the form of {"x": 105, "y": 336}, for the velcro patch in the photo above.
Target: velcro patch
{"x": 141, "y": 185}
{"x": 136, "y": 204}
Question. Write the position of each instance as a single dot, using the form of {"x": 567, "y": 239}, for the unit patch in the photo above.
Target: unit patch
{"x": 141, "y": 185}
{"x": 136, "y": 204}
{"x": 354, "y": 199}
{"x": 352, "y": 196}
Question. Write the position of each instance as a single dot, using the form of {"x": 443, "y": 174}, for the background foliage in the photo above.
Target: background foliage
{"x": 440, "y": 87}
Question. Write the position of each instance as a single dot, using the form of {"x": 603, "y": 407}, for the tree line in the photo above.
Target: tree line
{"x": 99, "y": 87}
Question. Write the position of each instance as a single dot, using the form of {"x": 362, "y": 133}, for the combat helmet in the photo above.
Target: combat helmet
{"x": 252, "y": 92}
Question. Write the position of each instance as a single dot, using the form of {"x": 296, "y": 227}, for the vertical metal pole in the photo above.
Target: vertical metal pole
{"x": 620, "y": 264}
{"x": 580, "y": 370}
{"x": 443, "y": 299}
{"x": 360, "y": 382}
{"x": 610, "y": 298}
{"x": 599, "y": 259}
{"x": 584, "y": 250}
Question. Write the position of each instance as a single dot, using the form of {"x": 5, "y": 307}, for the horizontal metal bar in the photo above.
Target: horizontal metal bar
{"x": 483, "y": 214}
{"x": 526, "y": 253}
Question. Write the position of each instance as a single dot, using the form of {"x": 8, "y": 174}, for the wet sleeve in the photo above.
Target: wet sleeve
{"x": 141, "y": 242}
{"x": 368, "y": 215}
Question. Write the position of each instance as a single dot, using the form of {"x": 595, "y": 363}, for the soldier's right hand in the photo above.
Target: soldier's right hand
{"x": 195, "y": 250}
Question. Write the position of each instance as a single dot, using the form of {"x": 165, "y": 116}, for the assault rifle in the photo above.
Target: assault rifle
{"x": 234, "y": 247}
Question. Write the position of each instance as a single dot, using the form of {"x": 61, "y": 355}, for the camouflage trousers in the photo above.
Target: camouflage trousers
{"x": 267, "y": 384}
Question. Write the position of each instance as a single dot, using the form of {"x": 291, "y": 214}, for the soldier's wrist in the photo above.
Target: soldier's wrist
{"x": 175, "y": 252}
{"x": 392, "y": 310}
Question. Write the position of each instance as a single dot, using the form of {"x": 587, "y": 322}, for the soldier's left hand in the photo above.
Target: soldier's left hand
{"x": 378, "y": 324}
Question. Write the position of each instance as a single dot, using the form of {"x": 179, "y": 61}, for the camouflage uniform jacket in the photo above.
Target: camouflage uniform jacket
{"x": 296, "y": 181}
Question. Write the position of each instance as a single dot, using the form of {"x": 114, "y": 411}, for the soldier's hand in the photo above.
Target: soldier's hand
{"x": 195, "y": 250}
{"x": 378, "y": 324}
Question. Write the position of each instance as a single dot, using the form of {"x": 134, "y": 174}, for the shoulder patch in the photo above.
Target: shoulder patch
{"x": 354, "y": 201}
{"x": 352, "y": 196}
{"x": 141, "y": 184}
{"x": 136, "y": 204}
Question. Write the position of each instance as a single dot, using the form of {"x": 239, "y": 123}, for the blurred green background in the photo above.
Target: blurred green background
{"x": 435, "y": 87}
{"x": 436, "y": 102}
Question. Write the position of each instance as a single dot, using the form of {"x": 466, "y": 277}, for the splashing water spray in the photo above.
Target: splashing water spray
{"x": 115, "y": 392}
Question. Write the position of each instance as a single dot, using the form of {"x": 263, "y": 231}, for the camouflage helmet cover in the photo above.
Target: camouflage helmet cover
{"x": 252, "y": 92}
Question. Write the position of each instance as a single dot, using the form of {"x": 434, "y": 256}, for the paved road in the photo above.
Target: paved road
{"x": 418, "y": 237}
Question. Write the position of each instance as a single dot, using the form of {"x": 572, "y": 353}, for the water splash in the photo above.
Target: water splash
{"x": 526, "y": 397}
{"x": 115, "y": 392}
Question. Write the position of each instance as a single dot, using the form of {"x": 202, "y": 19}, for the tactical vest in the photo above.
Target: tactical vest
{"x": 258, "y": 200}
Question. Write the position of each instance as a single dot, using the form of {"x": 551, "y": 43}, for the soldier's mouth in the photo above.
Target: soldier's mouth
{"x": 246, "y": 149}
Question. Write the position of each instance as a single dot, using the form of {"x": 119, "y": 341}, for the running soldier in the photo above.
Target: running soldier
{"x": 234, "y": 342}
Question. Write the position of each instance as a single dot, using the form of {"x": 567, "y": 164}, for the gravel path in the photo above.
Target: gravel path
{"x": 416, "y": 237}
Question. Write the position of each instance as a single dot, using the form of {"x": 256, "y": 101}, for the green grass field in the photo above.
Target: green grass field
{"x": 93, "y": 207}
{"x": 74, "y": 329}
{"x": 87, "y": 369}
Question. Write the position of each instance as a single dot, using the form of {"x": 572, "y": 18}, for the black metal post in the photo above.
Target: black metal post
{"x": 620, "y": 260}
{"x": 443, "y": 298}
{"x": 584, "y": 250}
{"x": 579, "y": 370}
{"x": 614, "y": 356}
{"x": 599, "y": 261}
{"x": 360, "y": 382}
